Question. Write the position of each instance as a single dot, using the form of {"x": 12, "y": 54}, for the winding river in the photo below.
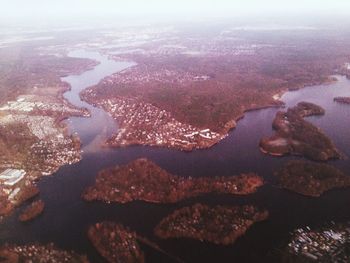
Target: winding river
{"x": 67, "y": 216}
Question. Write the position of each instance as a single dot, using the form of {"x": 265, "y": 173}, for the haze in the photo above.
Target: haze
{"x": 78, "y": 8}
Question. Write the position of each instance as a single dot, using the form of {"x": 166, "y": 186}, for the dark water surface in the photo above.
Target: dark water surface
{"x": 67, "y": 216}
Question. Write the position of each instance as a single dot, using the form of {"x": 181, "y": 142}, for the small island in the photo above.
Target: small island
{"x": 144, "y": 180}
{"x": 343, "y": 100}
{"x": 38, "y": 253}
{"x": 115, "y": 243}
{"x": 311, "y": 179}
{"x": 7, "y": 206}
{"x": 296, "y": 136}
{"x": 32, "y": 211}
{"x": 220, "y": 225}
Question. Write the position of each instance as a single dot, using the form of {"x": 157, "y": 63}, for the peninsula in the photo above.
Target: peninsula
{"x": 296, "y": 136}
{"x": 32, "y": 211}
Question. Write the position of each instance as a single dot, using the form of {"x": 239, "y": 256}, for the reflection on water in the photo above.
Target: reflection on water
{"x": 67, "y": 216}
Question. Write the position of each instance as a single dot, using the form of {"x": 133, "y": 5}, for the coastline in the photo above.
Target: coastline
{"x": 118, "y": 140}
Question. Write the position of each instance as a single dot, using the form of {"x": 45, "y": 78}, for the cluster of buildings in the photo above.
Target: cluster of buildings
{"x": 145, "y": 124}
{"x": 10, "y": 177}
{"x": 47, "y": 145}
{"x": 163, "y": 45}
{"x": 54, "y": 153}
{"x": 27, "y": 104}
{"x": 52, "y": 148}
{"x": 225, "y": 46}
{"x": 145, "y": 74}
{"x": 9, "y": 181}
{"x": 325, "y": 245}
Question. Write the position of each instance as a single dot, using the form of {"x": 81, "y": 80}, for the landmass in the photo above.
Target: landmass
{"x": 296, "y": 136}
{"x": 311, "y": 179}
{"x": 187, "y": 91}
{"x": 32, "y": 211}
{"x": 18, "y": 197}
{"x": 38, "y": 253}
{"x": 344, "y": 100}
{"x": 115, "y": 243}
{"x": 34, "y": 140}
{"x": 144, "y": 180}
{"x": 220, "y": 224}
{"x": 325, "y": 244}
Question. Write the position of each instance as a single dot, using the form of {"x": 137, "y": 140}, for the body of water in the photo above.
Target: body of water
{"x": 67, "y": 217}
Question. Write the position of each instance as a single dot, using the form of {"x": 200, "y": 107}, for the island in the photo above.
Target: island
{"x": 115, "y": 243}
{"x": 142, "y": 179}
{"x": 311, "y": 179}
{"x": 343, "y": 100}
{"x": 296, "y": 136}
{"x": 32, "y": 211}
{"x": 220, "y": 225}
{"x": 39, "y": 253}
{"x": 329, "y": 243}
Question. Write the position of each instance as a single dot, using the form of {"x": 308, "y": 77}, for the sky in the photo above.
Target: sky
{"x": 216, "y": 8}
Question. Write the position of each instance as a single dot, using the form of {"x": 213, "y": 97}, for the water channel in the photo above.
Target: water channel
{"x": 67, "y": 216}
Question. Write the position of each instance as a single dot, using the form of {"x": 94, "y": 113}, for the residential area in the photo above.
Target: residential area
{"x": 34, "y": 143}
{"x": 328, "y": 244}
{"x": 144, "y": 124}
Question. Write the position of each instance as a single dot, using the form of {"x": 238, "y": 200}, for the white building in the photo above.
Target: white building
{"x": 10, "y": 177}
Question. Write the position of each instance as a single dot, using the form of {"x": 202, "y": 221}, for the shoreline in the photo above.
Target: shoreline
{"x": 198, "y": 144}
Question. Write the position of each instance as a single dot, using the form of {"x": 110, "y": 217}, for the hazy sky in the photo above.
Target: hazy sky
{"x": 37, "y": 8}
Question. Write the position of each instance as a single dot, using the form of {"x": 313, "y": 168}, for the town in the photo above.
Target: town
{"x": 150, "y": 74}
{"x": 144, "y": 124}
{"x": 34, "y": 142}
